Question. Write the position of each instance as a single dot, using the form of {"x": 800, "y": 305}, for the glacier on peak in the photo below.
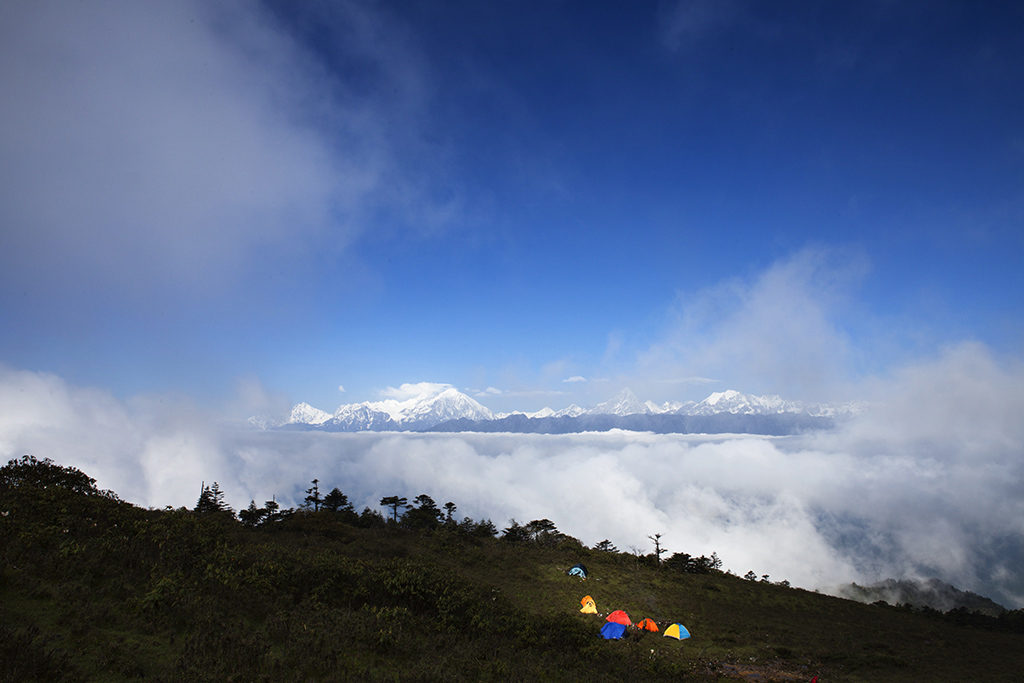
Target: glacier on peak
{"x": 306, "y": 414}
{"x": 727, "y": 395}
{"x": 440, "y": 403}
{"x": 732, "y": 401}
{"x": 572, "y": 411}
{"x": 624, "y": 403}
{"x": 666, "y": 407}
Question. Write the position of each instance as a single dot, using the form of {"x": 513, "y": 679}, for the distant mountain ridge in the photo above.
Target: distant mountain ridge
{"x": 783, "y": 424}
{"x": 443, "y": 408}
{"x": 423, "y": 411}
{"x": 931, "y": 593}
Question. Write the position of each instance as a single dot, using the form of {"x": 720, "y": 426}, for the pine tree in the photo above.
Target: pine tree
{"x": 337, "y": 503}
{"x": 273, "y": 514}
{"x": 425, "y": 515}
{"x": 658, "y": 549}
{"x": 212, "y": 500}
{"x": 394, "y": 502}
{"x": 370, "y": 519}
{"x": 449, "y": 513}
{"x": 515, "y": 533}
{"x": 252, "y": 516}
{"x": 485, "y": 529}
{"x": 541, "y": 531}
{"x": 313, "y": 498}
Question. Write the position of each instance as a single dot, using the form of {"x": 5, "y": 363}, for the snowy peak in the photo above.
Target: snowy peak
{"x": 437, "y": 404}
{"x": 666, "y": 407}
{"x": 303, "y": 413}
{"x": 734, "y": 402}
{"x": 624, "y": 403}
{"x": 572, "y": 411}
{"x": 361, "y": 417}
{"x": 731, "y": 401}
{"x": 450, "y": 404}
{"x": 723, "y": 397}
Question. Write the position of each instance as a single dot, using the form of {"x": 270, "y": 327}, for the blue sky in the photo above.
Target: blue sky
{"x": 239, "y": 199}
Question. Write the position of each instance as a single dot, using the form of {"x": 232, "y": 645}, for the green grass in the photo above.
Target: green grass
{"x": 94, "y": 589}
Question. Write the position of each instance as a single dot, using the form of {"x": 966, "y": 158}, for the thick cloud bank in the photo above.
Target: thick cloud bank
{"x": 927, "y": 484}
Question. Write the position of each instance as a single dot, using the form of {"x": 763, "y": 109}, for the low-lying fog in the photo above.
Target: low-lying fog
{"x": 928, "y": 483}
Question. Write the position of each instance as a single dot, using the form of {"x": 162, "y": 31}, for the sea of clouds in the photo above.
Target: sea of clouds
{"x": 930, "y": 482}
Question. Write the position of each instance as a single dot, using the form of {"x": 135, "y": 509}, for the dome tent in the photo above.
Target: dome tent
{"x": 647, "y": 625}
{"x": 578, "y": 570}
{"x": 613, "y": 631}
{"x": 677, "y": 631}
{"x": 589, "y": 606}
{"x": 619, "y": 617}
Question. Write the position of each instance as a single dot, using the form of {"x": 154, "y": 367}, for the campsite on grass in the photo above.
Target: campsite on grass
{"x": 96, "y": 588}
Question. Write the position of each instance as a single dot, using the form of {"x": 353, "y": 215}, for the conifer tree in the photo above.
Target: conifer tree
{"x": 485, "y": 529}
{"x": 272, "y": 508}
{"x": 425, "y": 514}
{"x": 338, "y": 504}
{"x": 336, "y": 501}
{"x": 313, "y": 498}
{"x": 252, "y": 516}
{"x": 394, "y": 502}
{"x": 541, "y": 530}
{"x": 659, "y": 550}
{"x": 449, "y": 513}
{"x": 212, "y": 500}
{"x": 515, "y": 532}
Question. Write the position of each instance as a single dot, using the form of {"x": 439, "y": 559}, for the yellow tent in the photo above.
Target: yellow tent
{"x": 589, "y": 606}
{"x": 677, "y": 631}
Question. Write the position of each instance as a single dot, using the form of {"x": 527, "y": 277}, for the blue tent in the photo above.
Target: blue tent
{"x": 677, "y": 631}
{"x": 613, "y": 631}
{"x": 578, "y": 570}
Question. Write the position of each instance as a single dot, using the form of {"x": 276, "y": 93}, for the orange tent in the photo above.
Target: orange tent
{"x": 647, "y": 625}
{"x": 589, "y": 606}
{"x": 619, "y": 617}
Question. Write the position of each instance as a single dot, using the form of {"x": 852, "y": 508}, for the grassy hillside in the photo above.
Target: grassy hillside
{"x": 96, "y": 589}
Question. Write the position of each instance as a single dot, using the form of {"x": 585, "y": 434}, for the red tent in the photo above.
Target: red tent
{"x": 619, "y": 617}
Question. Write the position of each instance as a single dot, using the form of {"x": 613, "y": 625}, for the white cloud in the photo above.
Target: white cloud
{"x": 148, "y": 450}
{"x": 184, "y": 152}
{"x": 784, "y": 331}
{"x": 341, "y": 388}
{"x": 156, "y": 145}
{"x": 414, "y": 390}
{"x": 252, "y": 398}
{"x": 927, "y": 484}
{"x": 574, "y": 378}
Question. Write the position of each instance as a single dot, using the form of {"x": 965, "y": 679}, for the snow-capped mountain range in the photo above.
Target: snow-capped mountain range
{"x": 442, "y": 404}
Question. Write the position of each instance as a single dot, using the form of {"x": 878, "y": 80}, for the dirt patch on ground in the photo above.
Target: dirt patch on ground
{"x": 761, "y": 673}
